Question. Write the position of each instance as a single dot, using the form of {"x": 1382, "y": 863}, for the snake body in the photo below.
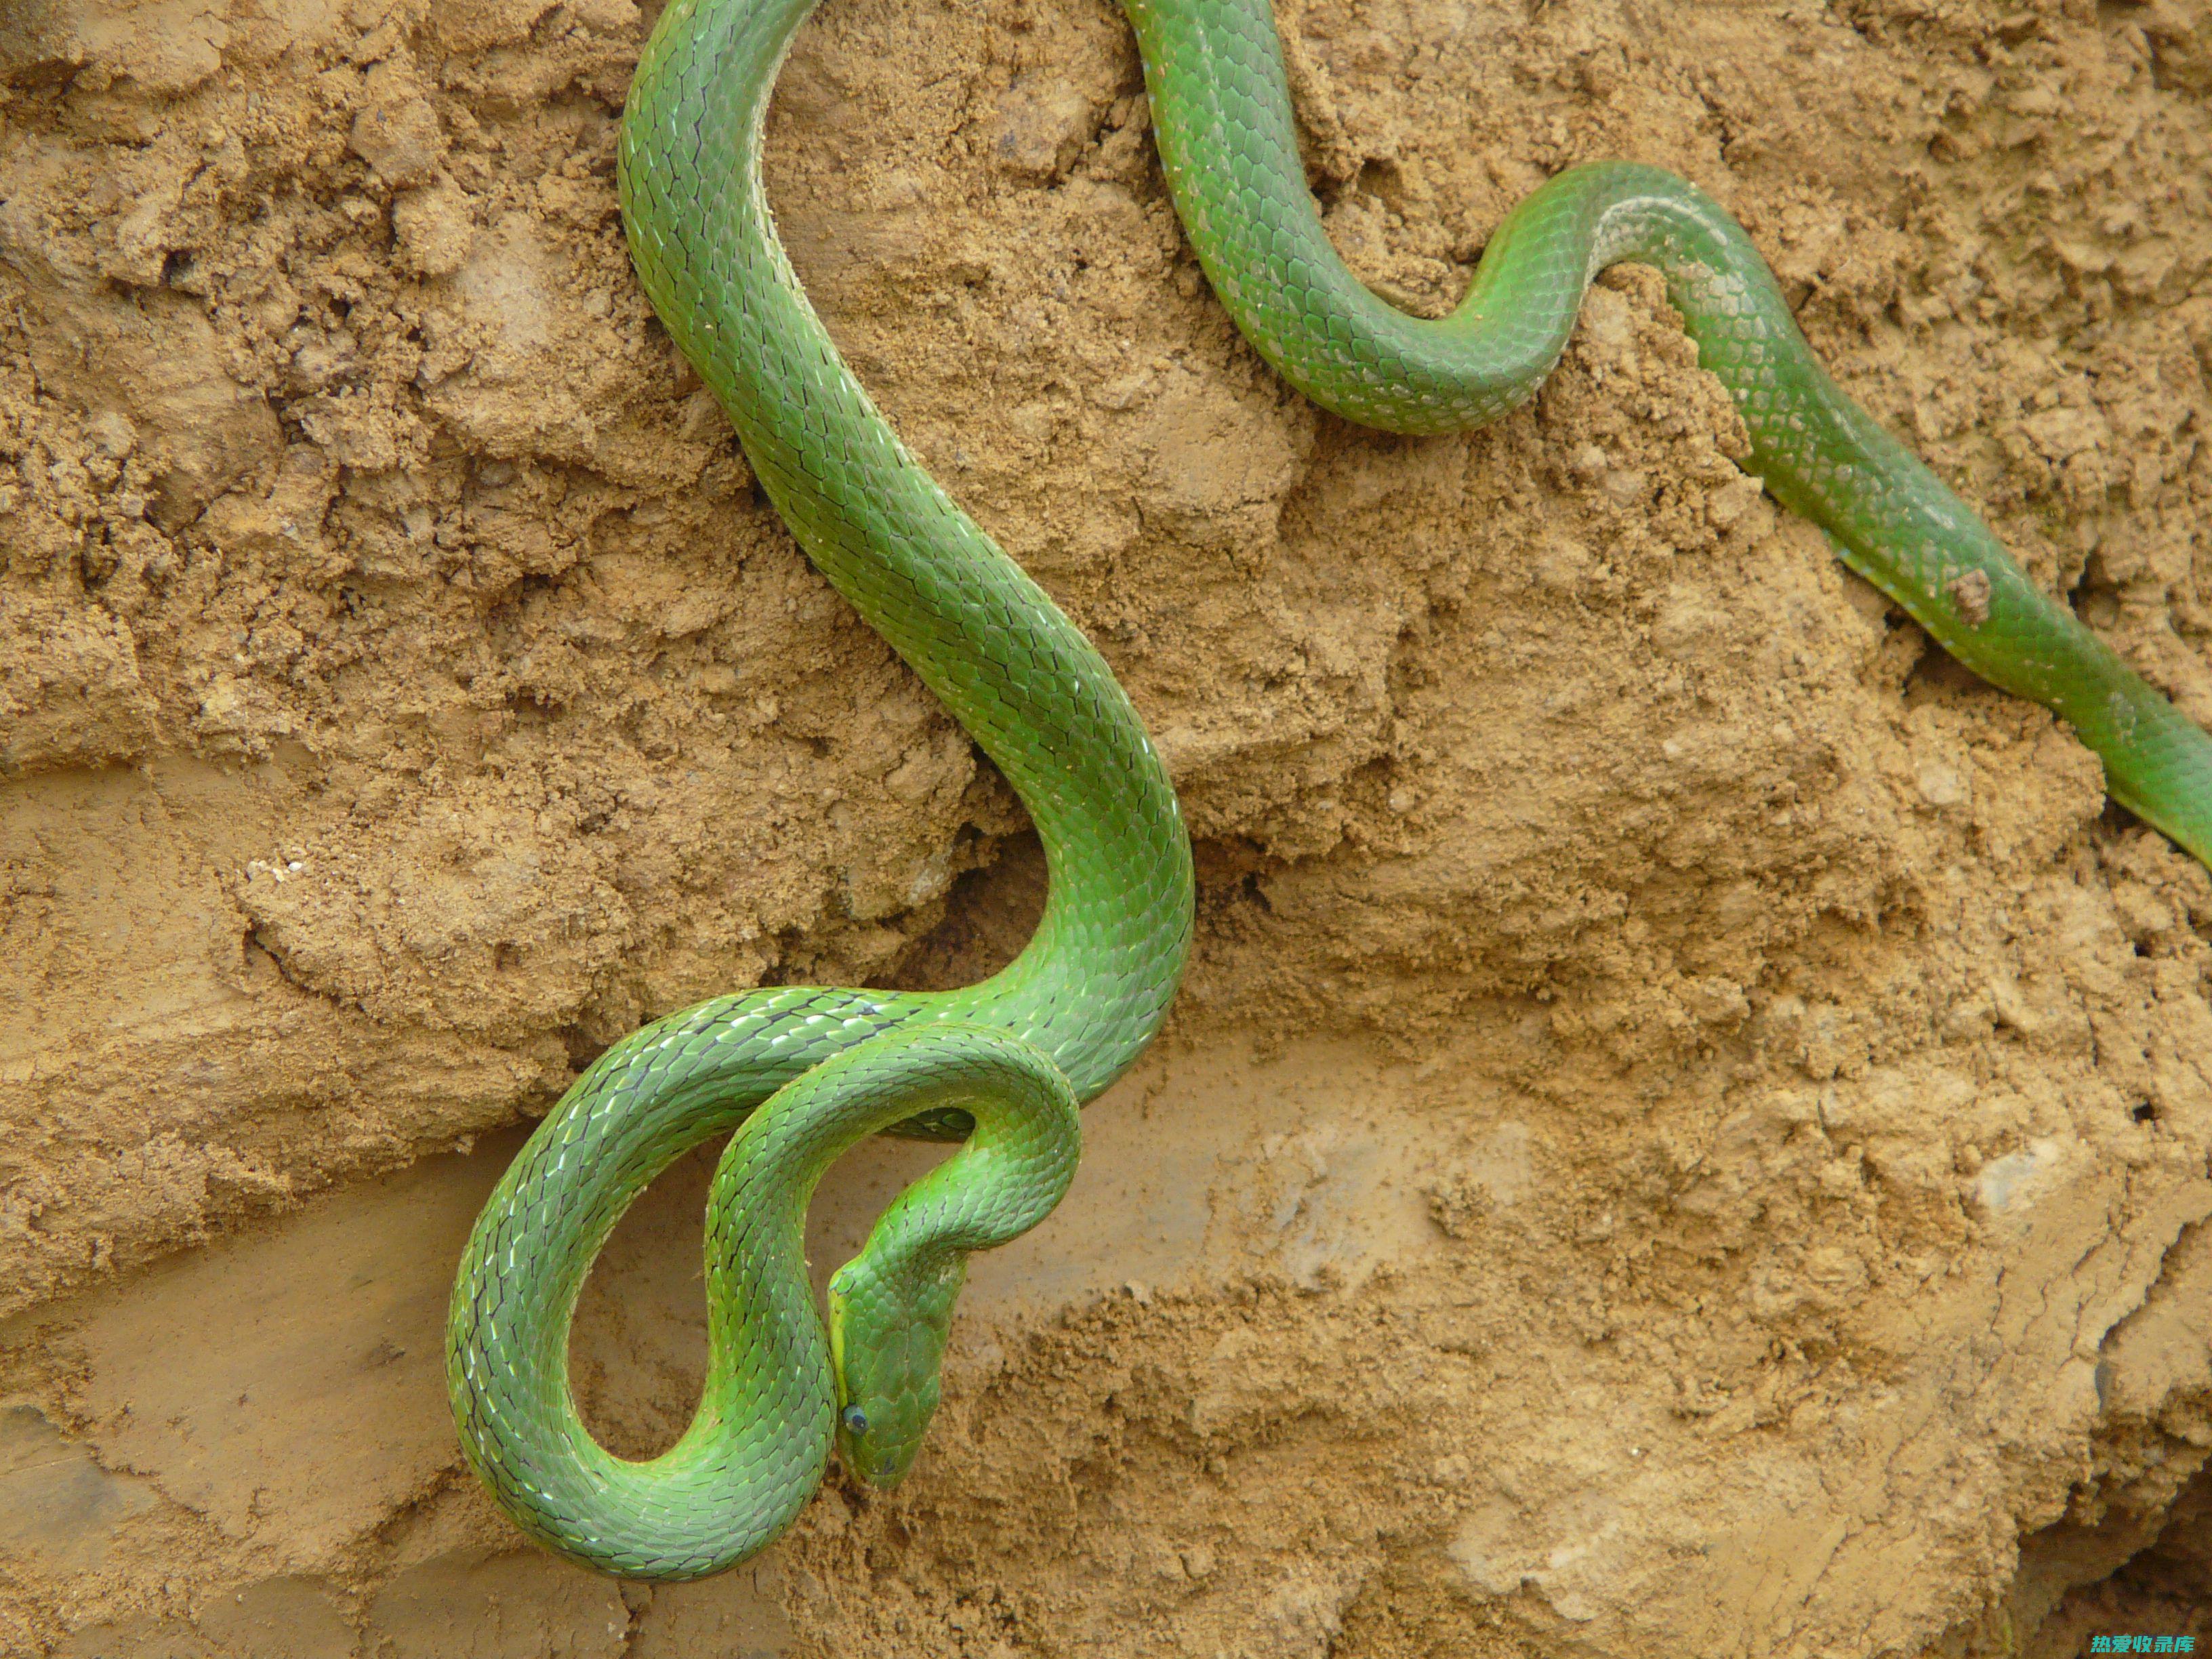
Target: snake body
{"x": 1010, "y": 1057}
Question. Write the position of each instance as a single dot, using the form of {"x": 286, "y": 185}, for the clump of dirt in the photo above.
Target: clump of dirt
{"x": 1684, "y": 1132}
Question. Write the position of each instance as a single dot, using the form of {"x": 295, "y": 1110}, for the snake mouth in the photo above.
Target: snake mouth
{"x": 836, "y": 1321}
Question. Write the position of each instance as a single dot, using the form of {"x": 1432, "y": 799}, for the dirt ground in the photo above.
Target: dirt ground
{"x": 1687, "y": 1130}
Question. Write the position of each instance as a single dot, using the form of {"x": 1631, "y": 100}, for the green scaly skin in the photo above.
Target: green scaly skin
{"x": 1012, "y": 1054}
{"x": 1221, "y": 111}
{"x": 1084, "y": 996}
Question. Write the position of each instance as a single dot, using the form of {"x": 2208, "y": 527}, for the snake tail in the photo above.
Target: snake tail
{"x": 1223, "y": 118}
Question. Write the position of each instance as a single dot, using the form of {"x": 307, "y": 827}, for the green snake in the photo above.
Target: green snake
{"x": 799, "y": 1074}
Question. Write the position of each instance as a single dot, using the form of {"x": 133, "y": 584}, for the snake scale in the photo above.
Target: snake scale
{"x": 800, "y": 1074}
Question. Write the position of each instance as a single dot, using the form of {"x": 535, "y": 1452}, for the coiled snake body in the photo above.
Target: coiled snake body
{"x": 1009, "y": 1059}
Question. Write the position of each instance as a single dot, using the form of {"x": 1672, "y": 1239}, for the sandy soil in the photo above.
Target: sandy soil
{"x": 1687, "y": 1132}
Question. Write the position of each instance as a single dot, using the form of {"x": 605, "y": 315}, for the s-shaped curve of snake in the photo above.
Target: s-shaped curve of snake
{"x": 800, "y": 1075}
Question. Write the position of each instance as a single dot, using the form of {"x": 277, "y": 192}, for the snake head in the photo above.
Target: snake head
{"x": 889, "y": 1319}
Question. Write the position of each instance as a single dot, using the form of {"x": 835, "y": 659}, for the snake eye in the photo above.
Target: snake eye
{"x": 856, "y": 1421}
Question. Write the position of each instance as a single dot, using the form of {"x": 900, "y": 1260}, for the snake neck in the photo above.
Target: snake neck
{"x": 1095, "y": 982}
{"x": 891, "y": 1305}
